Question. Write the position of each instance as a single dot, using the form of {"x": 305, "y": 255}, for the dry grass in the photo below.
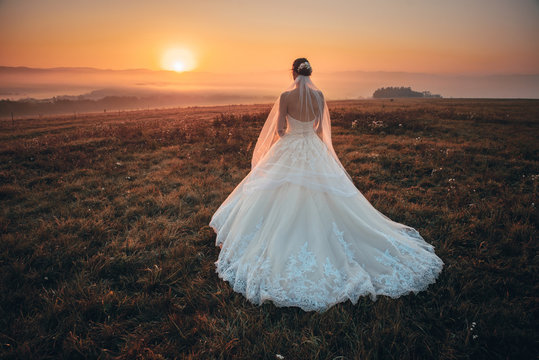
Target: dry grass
{"x": 106, "y": 251}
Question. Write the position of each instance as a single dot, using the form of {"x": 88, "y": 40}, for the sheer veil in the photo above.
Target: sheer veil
{"x": 312, "y": 106}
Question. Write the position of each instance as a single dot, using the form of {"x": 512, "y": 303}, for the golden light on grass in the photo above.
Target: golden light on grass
{"x": 178, "y": 59}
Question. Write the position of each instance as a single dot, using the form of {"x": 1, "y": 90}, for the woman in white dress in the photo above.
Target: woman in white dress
{"x": 297, "y": 232}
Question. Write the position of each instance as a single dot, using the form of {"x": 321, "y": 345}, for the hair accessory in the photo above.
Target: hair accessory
{"x": 304, "y": 65}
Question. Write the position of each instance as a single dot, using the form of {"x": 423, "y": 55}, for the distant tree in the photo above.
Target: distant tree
{"x": 400, "y": 92}
{"x": 428, "y": 94}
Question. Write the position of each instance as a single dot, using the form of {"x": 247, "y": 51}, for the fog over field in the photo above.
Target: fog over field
{"x": 213, "y": 88}
{"x": 34, "y": 92}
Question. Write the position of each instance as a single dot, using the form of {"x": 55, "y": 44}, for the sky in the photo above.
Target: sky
{"x": 433, "y": 36}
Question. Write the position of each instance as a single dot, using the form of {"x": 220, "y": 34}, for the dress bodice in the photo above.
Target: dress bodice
{"x": 299, "y": 127}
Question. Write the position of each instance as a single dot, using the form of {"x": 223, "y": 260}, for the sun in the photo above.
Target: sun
{"x": 178, "y": 59}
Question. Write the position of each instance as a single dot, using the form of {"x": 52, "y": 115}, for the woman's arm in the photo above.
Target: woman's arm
{"x": 319, "y": 118}
{"x": 283, "y": 109}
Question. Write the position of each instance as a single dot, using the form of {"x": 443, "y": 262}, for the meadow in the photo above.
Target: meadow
{"x": 106, "y": 252}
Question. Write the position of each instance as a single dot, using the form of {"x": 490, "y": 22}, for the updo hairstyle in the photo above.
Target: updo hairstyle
{"x": 307, "y": 71}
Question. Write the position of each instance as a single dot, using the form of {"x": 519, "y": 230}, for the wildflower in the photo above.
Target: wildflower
{"x": 475, "y": 336}
{"x": 400, "y": 125}
{"x": 279, "y": 356}
{"x": 118, "y": 163}
{"x": 376, "y": 123}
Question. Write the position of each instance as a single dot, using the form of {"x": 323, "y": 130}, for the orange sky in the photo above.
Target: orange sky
{"x": 435, "y": 36}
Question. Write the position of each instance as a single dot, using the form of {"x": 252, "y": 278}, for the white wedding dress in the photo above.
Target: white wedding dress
{"x": 297, "y": 232}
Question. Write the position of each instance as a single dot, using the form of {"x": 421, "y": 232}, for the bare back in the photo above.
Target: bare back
{"x": 293, "y": 106}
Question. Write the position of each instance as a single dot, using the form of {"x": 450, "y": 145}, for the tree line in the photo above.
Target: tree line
{"x": 401, "y": 92}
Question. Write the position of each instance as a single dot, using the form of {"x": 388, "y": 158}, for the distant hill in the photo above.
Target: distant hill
{"x": 90, "y": 103}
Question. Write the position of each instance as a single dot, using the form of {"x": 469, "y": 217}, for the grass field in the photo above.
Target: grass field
{"x": 106, "y": 251}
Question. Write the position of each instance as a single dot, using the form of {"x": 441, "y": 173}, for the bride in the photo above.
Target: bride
{"x": 297, "y": 232}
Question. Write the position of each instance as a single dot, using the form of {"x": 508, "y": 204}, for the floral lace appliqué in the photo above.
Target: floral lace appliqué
{"x": 314, "y": 283}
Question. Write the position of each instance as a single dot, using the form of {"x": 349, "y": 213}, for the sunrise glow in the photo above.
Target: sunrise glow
{"x": 178, "y": 59}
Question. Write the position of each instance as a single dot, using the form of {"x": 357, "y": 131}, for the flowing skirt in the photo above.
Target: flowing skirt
{"x": 297, "y": 232}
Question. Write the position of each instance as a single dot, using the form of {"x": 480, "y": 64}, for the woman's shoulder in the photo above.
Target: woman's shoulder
{"x": 283, "y": 96}
{"x": 319, "y": 93}
{"x": 285, "y": 93}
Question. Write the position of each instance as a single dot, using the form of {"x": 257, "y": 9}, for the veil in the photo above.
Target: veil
{"x": 311, "y": 102}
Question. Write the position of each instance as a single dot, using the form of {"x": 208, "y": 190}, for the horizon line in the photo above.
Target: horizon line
{"x": 271, "y": 71}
